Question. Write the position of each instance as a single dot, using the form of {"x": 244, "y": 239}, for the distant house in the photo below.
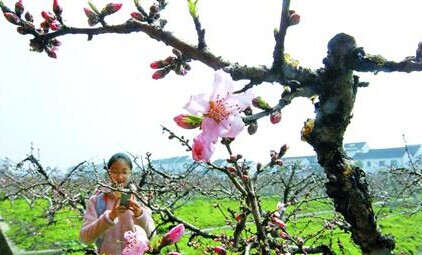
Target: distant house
{"x": 369, "y": 159}
{"x": 376, "y": 159}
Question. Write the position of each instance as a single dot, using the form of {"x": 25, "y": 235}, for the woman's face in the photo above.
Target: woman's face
{"x": 120, "y": 172}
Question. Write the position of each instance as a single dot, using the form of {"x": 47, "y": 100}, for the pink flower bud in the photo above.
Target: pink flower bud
{"x": 159, "y": 74}
{"x": 173, "y": 236}
{"x": 284, "y": 235}
{"x": 173, "y": 253}
{"x": 48, "y": 16}
{"x": 239, "y": 217}
{"x": 90, "y": 14}
{"x": 12, "y": 18}
{"x": 57, "y": 9}
{"x": 188, "y": 121}
{"x": 19, "y": 8}
{"x": 220, "y": 250}
{"x": 111, "y": 8}
{"x": 260, "y": 103}
{"x": 138, "y": 16}
{"x": 294, "y": 19}
{"x": 157, "y": 64}
{"x": 55, "y": 25}
{"x": 275, "y": 117}
{"x": 279, "y": 223}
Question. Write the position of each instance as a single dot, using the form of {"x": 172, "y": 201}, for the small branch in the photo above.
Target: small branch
{"x": 278, "y": 55}
{"x": 154, "y": 32}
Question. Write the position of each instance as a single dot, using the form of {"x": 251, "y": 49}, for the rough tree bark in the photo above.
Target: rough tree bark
{"x": 346, "y": 183}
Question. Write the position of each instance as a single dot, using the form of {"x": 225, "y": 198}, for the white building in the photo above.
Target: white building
{"x": 368, "y": 159}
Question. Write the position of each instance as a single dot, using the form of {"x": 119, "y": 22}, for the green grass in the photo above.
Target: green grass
{"x": 30, "y": 231}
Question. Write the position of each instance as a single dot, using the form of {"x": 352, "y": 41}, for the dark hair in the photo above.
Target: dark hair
{"x": 117, "y": 156}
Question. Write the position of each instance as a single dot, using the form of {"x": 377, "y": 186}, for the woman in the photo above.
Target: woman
{"x": 106, "y": 220}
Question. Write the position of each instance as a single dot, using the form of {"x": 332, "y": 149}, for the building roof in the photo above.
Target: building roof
{"x": 354, "y": 146}
{"x": 398, "y": 152}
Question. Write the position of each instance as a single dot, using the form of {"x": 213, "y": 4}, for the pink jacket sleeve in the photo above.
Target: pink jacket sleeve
{"x": 146, "y": 221}
{"x": 94, "y": 227}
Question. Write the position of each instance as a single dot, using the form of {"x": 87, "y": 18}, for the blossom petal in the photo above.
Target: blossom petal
{"x": 239, "y": 102}
{"x": 223, "y": 85}
{"x": 234, "y": 125}
{"x": 198, "y": 104}
{"x": 202, "y": 148}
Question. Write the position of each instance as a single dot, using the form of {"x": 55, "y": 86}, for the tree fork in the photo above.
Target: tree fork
{"x": 346, "y": 184}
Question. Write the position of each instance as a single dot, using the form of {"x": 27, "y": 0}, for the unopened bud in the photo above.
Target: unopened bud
{"x": 188, "y": 121}
{"x": 275, "y": 117}
{"x": 260, "y": 103}
{"x": 161, "y": 73}
{"x": 153, "y": 9}
{"x": 111, "y": 8}
{"x": 19, "y": 8}
{"x": 286, "y": 91}
{"x": 12, "y": 18}
{"x": 93, "y": 22}
{"x": 138, "y": 16}
{"x": 48, "y": 16}
{"x": 284, "y": 235}
{"x": 294, "y": 19}
{"x": 157, "y": 64}
{"x": 231, "y": 170}
{"x": 220, "y": 250}
{"x": 51, "y": 52}
{"x": 186, "y": 66}
{"x": 279, "y": 223}
{"x": 283, "y": 150}
{"x": 169, "y": 60}
{"x": 57, "y": 9}
{"x": 90, "y": 14}
{"x": 253, "y": 127}
{"x": 55, "y": 42}
{"x": 45, "y": 25}
{"x": 55, "y": 25}
{"x": 22, "y": 31}
{"x": 29, "y": 17}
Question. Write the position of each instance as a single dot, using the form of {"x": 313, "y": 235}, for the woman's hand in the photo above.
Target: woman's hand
{"x": 135, "y": 207}
{"x": 116, "y": 211}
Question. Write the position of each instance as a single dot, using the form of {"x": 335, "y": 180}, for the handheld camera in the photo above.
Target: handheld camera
{"x": 124, "y": 199}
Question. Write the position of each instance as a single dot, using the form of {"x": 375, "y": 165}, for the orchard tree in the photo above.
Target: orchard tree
{"x": 226, "y": 112}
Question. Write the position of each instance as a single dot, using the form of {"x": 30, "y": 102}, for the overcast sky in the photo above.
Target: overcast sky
{"x": 98, "y": 97}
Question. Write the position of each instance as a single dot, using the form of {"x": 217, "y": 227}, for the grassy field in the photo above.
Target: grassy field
{"x": 30, "y": 231}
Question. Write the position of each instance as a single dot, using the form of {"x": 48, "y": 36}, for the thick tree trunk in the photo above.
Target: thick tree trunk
{"x": 346, "y": 184}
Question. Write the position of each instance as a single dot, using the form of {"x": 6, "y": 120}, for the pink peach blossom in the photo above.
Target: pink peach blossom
{"x": 136, "y": 243}
{"x": 173, "y": 236}
{"x": 221, "y": 113}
